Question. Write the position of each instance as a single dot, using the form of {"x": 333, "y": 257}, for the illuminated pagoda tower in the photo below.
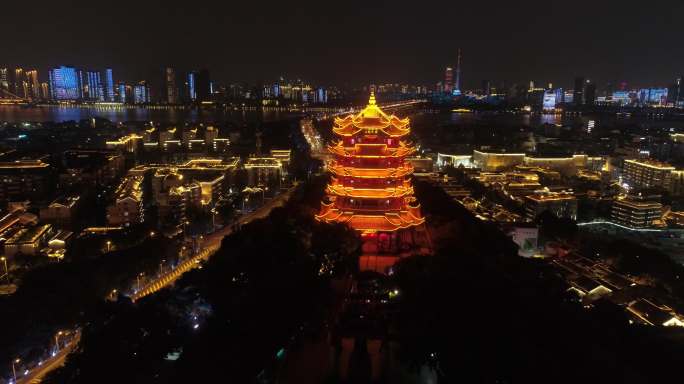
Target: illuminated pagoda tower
{"x": 371, "y": 188}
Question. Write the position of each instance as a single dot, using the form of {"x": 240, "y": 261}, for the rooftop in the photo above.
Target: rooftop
{"x": 651, "y": 164}
{"x": 262, "y": 162}
{"x": 28, "y": 235}
{"x": 67, "y": 202}
{"x": 24, "y": 164}
{"x": 371, "y": 120}
{"x": 551, "y": 196}
{"x": 130, "y": 187}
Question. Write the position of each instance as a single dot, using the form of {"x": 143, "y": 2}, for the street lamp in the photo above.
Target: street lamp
{"x": 161, "y": 267}
{"x": 109, "y": 245}
{"x": 57, "y": 339}
{"x": 4, "y": 260}
{"x": 137, "y": 279}
{"x": 14, "y": 371}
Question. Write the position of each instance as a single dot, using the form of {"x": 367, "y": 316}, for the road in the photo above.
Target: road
{"x": 211, "y": 244}
{"x": 38, "y": 373}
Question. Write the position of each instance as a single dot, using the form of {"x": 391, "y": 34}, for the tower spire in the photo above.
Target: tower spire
{"x": 371, "y": 100}
{"x": 457, "y": 84}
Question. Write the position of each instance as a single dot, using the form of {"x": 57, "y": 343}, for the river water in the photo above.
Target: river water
{"x": 117, "y": 113}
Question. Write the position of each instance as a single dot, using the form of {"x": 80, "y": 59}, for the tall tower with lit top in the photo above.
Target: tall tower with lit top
{"x": 370, "y": 189}
{"x": 457, "y": 84}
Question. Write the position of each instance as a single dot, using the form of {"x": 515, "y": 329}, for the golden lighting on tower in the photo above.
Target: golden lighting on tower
{"x": 371, "y": 189}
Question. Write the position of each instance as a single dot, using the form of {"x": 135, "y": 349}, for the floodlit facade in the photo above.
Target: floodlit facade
{"x": 127, "y": 208}
{"x": 561, "y": 204}
{"x": 647, "y": 174}
{"x": 28, "y": 241}
{"x": 370, "y": 188}
{"x": 636, "y": 213}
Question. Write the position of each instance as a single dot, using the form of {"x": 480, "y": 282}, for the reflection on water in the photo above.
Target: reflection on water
{"x": 524, "y": 119}
{"x": 533, "y": 120}
{"x": 116, "y": 113}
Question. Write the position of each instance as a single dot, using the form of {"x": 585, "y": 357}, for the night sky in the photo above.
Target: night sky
{"x": 353, "y": 42}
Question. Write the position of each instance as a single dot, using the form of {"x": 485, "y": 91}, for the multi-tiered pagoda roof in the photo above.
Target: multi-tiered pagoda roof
{"x": 371, "y": 188}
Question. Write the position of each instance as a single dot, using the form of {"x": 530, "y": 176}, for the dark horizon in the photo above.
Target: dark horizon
{"x": 356, "y": 44}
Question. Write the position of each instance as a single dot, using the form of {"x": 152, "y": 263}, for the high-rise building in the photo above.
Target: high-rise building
{"x": 192, "y": 85}
{"x": 18, "y": 86}
{"x": 589, "y": 92}
{"x": 569, "y": 97}
{"x": 457, "y": 84}
{"x": 653, "y": 96}
{"x": 321, "y": 96}
{"x": 64, "y": 84}
{"x": 4, "y": 83}
{"x": 44, "y": 91}
{"x": 92, "y": 88}
{"x": 171, "y": 88}
{"x": 203, "y": 86}
{"x": 674, "y": 95}
{"x": 371, "y": 186}
{"x": 448, "y": 80}
{"x": 122, "y": 94}
{"x": 109, "y": 85}
{"x": 636, "y": 212}
{"x": 550, "y": 100}
{"x": 646, "y": 174}
{"x": 33, "y": 85}
{"x": 141, "y": 93}
{"x": 578, "y": 94}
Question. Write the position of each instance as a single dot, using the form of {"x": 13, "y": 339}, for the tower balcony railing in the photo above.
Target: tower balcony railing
{"x": 360, "y": 193}
{"x": 372, "y": 150}
{"x": 339, "y": 169}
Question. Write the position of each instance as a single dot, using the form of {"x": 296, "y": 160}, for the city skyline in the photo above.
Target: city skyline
{"x": 241, "y": 43}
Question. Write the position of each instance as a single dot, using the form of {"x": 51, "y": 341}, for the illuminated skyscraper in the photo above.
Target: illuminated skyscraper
{"x": 33, "y": 85}
{"x": 141, "y": 93}
{"x": 171, "y": 89}
{"x": 44, "y": 91}
{"x": 448, "y": 80}
{"x": 321, "y": 96}
{"x": 192, "y": 85}
{"x": 92, "y": 88}
{"x": 64, "y": 84}
{"x": 18, "y": 87}
{"x": 122, "y": 94}
{"x": 4, "y": 82}
{"x": 371, "y": 188}
{"x": 109, "y": 85}
{"x": 457, "y": 84}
